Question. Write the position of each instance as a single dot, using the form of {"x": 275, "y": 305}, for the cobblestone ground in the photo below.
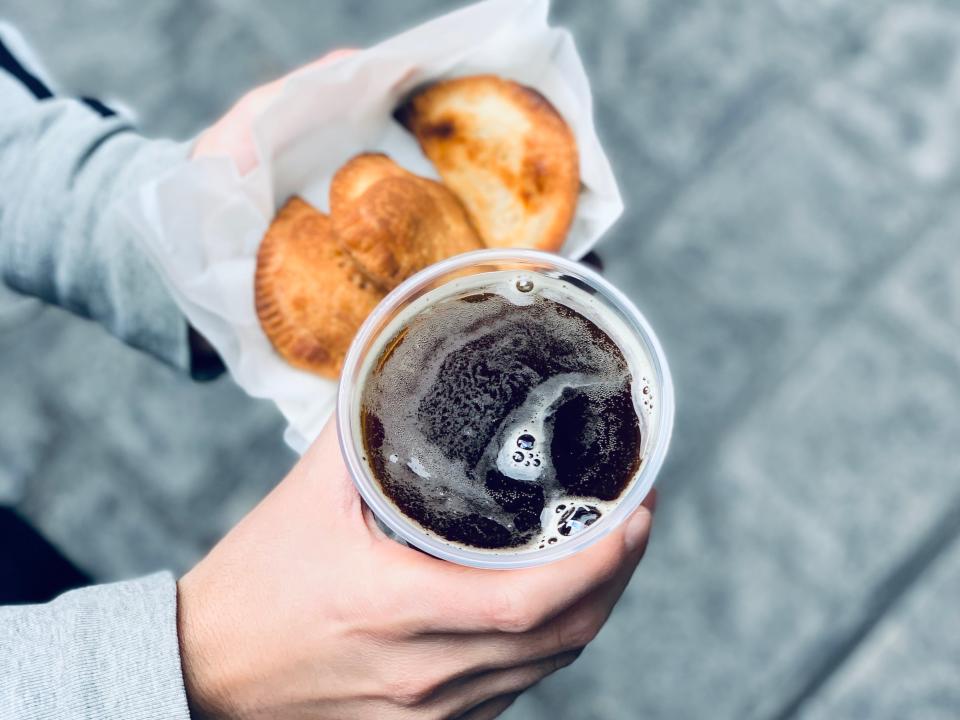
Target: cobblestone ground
{"x": 790, "y": 169}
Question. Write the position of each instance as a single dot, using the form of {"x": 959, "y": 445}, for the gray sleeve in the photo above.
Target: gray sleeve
{"x": 63, "y": 169}
{"x": 108, "y": 652}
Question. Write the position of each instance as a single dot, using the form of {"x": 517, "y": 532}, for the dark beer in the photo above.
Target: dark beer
{"x": 502, "y": 420}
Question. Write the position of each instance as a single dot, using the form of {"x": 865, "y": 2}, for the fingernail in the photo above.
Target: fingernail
{"x": 638, "y": 529}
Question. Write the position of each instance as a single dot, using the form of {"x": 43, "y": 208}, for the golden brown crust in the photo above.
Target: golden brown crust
{"x": 357, "y": 174}
{"x": 394, "y": 223}
{"x": 505, "y": 152}
{"x": 310, "y": 297}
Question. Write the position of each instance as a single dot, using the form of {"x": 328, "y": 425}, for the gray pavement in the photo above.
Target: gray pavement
{"x": 791, "y": 170}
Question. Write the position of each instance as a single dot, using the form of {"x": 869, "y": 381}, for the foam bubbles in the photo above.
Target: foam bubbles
{"x": 524, "y": 284}
{"x": 417, "y": 466}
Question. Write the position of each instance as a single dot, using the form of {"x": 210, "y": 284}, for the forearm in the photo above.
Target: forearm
{"x": 65, "y": 167}
{"x": 64, "y": 170}
{"x": 107, "y": 652}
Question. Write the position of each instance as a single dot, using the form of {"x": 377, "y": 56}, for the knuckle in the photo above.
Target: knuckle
{"x": 579, "y": 631}
{"x": 566, "y": 659}
{"x": 408, "y": 690}
{"x": 610, "y": 565}
{"x": 556, "y": 663}
{"x": 525, "y": 677}
{"x": 534, "y": 673}
{"x": 510, "y": 613}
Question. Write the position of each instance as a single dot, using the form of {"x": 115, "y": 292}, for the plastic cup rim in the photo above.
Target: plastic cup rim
{"x": 405, "y": 528}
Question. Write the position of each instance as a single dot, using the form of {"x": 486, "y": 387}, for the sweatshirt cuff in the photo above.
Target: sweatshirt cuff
{"x": 107, "y": 651}
{"x": 150, "y": 320}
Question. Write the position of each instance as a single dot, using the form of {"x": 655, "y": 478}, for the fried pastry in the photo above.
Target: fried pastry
{"x": 505, "y": 152}
{"x": 394, "y": 223}
{"x": 310, "y": 297}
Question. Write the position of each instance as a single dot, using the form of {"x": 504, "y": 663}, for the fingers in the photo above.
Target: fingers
{"x": 269, "y": 90}
{"x": 322, "y": 464}
{"x": 330, "y": 57}
{"x": 319, "y": 489}
{"x": 231, "y": 136}
{"x": 265, "y": 93}
{"x": 490, "y": 709}
{"x": 518, "y": 601}
{"x": 516, "y": 662}
{"x": 572, "y": 630}
{"x": 473, "y": 692}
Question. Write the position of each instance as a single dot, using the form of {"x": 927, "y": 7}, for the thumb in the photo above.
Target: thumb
{"x": 326, "y": 480}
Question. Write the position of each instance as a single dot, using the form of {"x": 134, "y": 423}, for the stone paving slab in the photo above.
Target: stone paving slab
{"x": 843, "y": 444}
{"x": 112, "y": 430}
{"x": 924, "y": 293}
{"x": 900, "y": 99}
{"x": 907, "y": 668}
{"x": 749, "y": 266}
{"x": 178, "y": 64}
{"x": 840, "y": 29}
{"x": 692, "y": 88}
{"x": 302, "y": 30}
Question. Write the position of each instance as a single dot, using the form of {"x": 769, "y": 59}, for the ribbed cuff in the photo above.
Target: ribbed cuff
{"x": 143, "y": 314}
{"x": 108, "y": 652}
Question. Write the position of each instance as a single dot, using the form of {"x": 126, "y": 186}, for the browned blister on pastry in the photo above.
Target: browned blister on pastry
{"x": 356, "y": 176}
{"x": 394, "y": 223}
{"x": 311, "y": 299}
{"x": 505, "y": 152}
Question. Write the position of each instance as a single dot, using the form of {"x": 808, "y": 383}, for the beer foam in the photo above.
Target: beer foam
{"x": 467, "y": 390}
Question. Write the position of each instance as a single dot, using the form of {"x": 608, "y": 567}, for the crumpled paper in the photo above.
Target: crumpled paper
{"x": 202, "y": 222}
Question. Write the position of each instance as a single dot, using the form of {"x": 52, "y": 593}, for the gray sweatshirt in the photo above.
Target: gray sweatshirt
{"x": 109, "y": 651}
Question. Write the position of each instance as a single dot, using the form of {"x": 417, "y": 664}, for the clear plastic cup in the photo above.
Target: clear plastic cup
{"x": 382, "y": 324}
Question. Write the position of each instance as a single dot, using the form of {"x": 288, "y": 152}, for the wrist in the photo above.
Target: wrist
{"x": 200, "y": 648}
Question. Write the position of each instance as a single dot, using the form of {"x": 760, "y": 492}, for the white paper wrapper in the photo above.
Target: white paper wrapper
{"x": 203, "y": 222}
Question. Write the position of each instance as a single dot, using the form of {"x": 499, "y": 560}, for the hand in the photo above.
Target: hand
{"x": 231, "y": 135}
{"x": 307, "y": 610}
